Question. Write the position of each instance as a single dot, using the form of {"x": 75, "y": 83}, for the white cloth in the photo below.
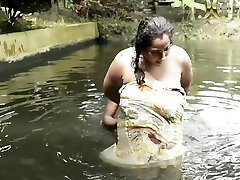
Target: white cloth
{"x": 149, "y": 126}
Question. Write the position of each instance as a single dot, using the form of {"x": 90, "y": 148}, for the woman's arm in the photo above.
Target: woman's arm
{"x": 111, "y": 85}
{"x": 186, "y": 75}
{"x": 111, "y": 110}
{"x": 114, "y": 79}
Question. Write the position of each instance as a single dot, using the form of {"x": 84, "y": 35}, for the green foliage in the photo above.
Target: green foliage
{"x": 3, "y": 16}
{"x": 68, "y": 4}
{"x": 36, "y": 23}
{"x": 60, "y": 22}
{"x": 15, "y": 8}
{"x": 3, "y": 20}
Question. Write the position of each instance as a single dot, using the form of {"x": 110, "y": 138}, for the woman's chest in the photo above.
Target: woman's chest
{"x": 168, "y": 72}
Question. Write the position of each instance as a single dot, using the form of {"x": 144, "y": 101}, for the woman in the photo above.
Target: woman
{"x": 147, "y": 84}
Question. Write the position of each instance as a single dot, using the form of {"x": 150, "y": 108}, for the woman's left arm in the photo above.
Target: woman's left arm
{"x": 186, "y": 75}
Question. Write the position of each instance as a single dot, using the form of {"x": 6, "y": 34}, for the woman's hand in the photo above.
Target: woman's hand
{"x": 111, "y": 109}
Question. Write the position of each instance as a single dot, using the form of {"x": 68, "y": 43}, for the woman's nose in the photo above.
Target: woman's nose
{"x": 163, "y": 55}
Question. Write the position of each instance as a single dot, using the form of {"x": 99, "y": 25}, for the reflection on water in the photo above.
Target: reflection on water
{"x": 212, "y": 125}
{"x": 50, "y": 118}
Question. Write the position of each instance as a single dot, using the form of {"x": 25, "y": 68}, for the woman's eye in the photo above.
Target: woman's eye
{"x": 167, "y": 48}
{"x": 155, "y": 52}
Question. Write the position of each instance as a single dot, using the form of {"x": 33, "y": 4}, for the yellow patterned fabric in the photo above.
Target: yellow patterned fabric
{"x": 149, "y": 126}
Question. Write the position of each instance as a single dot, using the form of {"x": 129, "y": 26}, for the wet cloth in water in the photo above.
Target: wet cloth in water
{"x": 149, "y": 126}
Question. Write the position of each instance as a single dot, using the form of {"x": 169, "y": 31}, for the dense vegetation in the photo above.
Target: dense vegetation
{"x": 87, "y": 8}
{"x": 21, "y": 15}
{"x": 114, "y": 17}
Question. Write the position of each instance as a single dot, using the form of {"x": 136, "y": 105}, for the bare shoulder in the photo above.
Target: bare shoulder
{"x": 181, "y": 55}
{"x": 125, "y": 55}
{"x": 122, "y": 61}
{"x": 186, "y": 67}
{"x": 116, "y": 74}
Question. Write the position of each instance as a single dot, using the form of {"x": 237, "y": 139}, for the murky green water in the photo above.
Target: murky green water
{"x": 50, "y": 118}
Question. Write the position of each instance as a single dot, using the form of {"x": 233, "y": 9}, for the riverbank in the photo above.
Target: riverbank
{"x": 200, "y": 29}
{"x": 113, "y": 29}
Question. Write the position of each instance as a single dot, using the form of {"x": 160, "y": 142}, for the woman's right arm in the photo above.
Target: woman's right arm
{"x": 114, "y": 79}
{"x": 111, "y": 109}
{"x": 111, "y": 85}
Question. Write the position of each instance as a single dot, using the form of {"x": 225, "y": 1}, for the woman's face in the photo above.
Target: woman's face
{"x": 157, "y": 53}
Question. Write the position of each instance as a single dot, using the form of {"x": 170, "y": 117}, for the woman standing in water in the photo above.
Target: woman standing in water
{"x": 147, "y": 84}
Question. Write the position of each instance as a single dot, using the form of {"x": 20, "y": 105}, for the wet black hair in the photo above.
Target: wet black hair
{"x": 148, "y": 29}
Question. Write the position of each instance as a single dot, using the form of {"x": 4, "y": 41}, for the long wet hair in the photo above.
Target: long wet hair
{"x": 148, "y": 30}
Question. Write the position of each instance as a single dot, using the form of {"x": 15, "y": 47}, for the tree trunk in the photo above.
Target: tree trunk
{"x": 192, "y": 13}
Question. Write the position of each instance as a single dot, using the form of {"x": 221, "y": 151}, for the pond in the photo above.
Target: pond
{"x": 50, "y": 118}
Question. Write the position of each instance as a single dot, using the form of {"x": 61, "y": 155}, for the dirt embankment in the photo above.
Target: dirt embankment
{"x": 209, "y": 29}
{"x": 195, "y": 30}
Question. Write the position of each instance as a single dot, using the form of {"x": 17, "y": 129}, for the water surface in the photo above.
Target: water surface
{"x": 50, "y": 118}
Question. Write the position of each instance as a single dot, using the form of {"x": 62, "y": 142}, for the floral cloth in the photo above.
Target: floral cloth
{"x": 149, "y": 126}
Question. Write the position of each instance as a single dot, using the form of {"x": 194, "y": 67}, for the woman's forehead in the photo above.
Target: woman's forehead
{"x": 161, "y": 40}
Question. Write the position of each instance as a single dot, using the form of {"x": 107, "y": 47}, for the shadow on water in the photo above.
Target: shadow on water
{"x": 50, "y": 118}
